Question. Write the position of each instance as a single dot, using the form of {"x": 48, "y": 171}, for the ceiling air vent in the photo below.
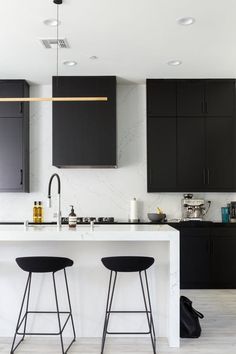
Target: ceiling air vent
{"x": 50, "y": 43}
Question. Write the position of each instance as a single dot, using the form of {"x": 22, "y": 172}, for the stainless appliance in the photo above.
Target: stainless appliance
{"x": 232, "y": 211}
{"x": 193, "y": 208}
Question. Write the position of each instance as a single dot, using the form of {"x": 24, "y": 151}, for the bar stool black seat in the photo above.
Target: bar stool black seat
{"x": 129, "y": 264}
{"x": 43, "y": 265}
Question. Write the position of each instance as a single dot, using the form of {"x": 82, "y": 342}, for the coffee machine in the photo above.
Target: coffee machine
{"x": 194, "y": 209}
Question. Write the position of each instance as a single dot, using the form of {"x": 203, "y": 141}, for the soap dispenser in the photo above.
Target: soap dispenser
{"x": 72, "y": 220}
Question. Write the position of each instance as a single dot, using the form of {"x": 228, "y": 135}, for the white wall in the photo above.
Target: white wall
{"x": 98, "y": 192}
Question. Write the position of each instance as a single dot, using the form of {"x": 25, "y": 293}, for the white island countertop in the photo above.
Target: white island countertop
{"x": 86, "y": 246}
{"x": 85, "y": 233}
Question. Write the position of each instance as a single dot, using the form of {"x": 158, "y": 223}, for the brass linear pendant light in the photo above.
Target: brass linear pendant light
{"x": 54, "y": 99}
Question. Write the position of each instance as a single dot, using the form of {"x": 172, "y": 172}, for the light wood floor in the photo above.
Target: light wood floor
{"x": 218, "y": 333}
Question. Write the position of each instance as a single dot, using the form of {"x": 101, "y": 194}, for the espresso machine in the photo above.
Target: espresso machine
{"x": 194, "y": 209}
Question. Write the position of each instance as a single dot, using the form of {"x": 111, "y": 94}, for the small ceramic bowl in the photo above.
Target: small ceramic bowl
{"x": 156, "y": 218}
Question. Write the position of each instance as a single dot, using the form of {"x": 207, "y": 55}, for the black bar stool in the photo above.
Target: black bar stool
{"x": 129, "y": 264}
{"x": 43, "y": 265}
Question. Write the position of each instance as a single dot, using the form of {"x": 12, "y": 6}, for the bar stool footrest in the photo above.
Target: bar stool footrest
{"x": 44, "y": 333}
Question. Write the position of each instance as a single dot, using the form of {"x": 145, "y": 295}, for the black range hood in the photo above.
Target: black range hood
{"x": 84, "y": 133}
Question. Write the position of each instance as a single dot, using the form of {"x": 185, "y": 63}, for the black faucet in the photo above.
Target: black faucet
{"x": 59, "y": 197}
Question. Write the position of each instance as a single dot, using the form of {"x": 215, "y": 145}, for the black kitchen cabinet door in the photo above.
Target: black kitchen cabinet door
{"x": 194, "y": 258}
{"x": 11, "y": 88}
{"x": 220, "y": 154}
{"x": 191, "y": 153}
{"x": 205, "y": 135}
{"x": 223, "y": 260}
{"x": 220, "y": 98}
{"x": 11, "y": 155}
{"x": 190, "y": 98}
{"x": 161, "y": 151}
{"x": 14, "y": 138}
{"x": 161, "y": 98}
{"x": 84, "y": 133}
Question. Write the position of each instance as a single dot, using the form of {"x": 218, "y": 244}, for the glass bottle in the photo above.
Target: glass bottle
{"x": 40, "y": 212}
{"x": 35, "y": 213}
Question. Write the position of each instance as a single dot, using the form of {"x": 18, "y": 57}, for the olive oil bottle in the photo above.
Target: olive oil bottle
{"x": 35, "y": 213}
{"x": 40, "y": 213}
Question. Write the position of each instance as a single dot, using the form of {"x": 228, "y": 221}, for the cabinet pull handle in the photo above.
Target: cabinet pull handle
{"x": 206, "y": 108}
{"x": 21, "y": 177}
{"x": 208, "y": 176}
{"x": 204, "y": 175}
{"x": 21, "y": 107}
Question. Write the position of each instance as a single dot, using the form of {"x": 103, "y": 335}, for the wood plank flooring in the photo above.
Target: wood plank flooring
{"x": 218, "y": 333}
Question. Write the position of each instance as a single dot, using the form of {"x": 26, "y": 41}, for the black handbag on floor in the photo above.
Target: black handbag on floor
{"x": 189, "y": 319}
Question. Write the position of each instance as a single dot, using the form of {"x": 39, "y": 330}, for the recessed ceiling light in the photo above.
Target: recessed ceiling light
{"x": 93, "y": 57}
{"x": 70, "y": 62}
{"x": 186, "y": 21}
{"x": 53, "y": 22}
{"x": 174, "y": 62}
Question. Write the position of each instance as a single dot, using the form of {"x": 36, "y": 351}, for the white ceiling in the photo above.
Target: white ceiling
{"x": 133, "y": 39}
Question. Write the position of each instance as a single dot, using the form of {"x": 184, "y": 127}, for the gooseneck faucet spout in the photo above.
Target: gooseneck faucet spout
{"x": 59, "y": 197}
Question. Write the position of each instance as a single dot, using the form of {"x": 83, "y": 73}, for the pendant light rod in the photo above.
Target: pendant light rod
{"x": 53, "y": 99}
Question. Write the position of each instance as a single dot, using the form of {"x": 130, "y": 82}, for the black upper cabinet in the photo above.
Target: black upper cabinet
{"x": 84, "y": 133}
{"x": 191, "y": 153}
{"x": 161, "y": 97}
{"x": 220, "y": 153}
{"x": 11, "y": 154}
{"x": 12, "y": 88}
{"x": 14, "y": 138}
{"x": 215, "y": 97}
{"x": 202, "y": 146}
{"x": 220, "y": 98}
{"x": 190, "y": 98}
{"x": 161, "y": 167}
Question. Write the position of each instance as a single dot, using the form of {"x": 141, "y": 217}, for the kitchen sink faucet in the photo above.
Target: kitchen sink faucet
{"x": 59, "y": 197}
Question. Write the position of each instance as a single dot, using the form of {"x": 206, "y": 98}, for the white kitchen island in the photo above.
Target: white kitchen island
{"x": 88, "y": 279}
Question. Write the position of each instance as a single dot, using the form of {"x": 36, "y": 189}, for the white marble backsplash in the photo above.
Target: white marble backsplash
{"x": 98, "y": 192}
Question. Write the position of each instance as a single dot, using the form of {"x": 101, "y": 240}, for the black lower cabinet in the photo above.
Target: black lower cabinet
{"x": 208, "y": 257}
{"x": 223, "y": 258}
{"x": 194, "y": 258}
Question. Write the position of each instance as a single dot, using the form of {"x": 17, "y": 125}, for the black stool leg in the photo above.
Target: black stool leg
{"x": 19, "y": 321}
{"x": 69, "y": 302}
{"x": 58, "y": 313}
{"x": 150, "y": 307}
{"x": 27, "y": 305}
{"x": 148, "y": 312}
{"x": 110, "y": 294}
